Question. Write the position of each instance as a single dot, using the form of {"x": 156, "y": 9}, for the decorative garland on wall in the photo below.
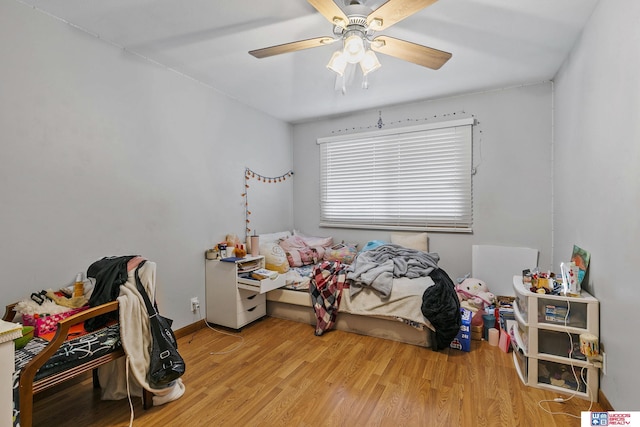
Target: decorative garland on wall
{"x": 248, "y": 175}
{"x": 379, "y": 124}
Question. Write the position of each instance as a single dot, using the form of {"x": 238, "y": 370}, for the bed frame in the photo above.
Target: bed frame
{"x": 29, "y": 386}
{"x": 296, "y": 306}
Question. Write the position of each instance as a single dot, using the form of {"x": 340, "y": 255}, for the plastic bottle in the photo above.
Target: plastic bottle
{"x": 78, "y": 286}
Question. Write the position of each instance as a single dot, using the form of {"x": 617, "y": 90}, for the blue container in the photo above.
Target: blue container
{"x": 489, "y": 322}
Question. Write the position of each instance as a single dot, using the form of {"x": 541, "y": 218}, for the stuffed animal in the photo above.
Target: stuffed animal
{"x": 474, "y": 294}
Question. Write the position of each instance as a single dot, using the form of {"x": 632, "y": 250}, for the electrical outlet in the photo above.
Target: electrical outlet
{"x": 604, "y": 363}
{"x": 195, "y": 304}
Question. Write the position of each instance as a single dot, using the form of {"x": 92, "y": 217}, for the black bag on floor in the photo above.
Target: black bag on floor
{"x": 166, "y": 363}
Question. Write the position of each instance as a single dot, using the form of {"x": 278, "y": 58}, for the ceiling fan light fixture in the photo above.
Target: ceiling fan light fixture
{"x": 369, "y": 62}
{"x": 354, "y": 48}
{"x": 337, "y": 63}
{"x": 354, "y": 24}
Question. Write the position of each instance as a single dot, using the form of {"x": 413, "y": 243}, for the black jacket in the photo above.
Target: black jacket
{"x": 110, "y": 273}
{"x": 440, "y": 305}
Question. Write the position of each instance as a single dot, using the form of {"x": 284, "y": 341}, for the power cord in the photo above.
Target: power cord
{"x": 131, "y": 412}
{"x": 237, "y": 347}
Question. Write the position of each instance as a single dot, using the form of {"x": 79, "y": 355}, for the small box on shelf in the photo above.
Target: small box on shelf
{"x": 553, "y": 313}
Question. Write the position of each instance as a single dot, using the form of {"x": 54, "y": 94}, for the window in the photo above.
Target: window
{"x": 414, "y": 178}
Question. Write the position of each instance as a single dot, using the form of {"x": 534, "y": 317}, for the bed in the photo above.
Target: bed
{"x": 296, "y": 305}
{"x": 397, "y": 316}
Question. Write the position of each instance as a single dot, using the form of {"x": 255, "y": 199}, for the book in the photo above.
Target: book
{"x": 581, "y": 258}
{"x": 263, "y": 273}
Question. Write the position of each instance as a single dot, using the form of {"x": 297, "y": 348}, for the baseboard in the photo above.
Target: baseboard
{"x": 190, "y": 329}
{"x": 604, "y": 402}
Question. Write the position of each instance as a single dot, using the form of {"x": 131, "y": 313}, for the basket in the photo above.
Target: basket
{"x": 27, "y": 334}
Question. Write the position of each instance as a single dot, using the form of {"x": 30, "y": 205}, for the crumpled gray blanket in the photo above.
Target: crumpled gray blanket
{"x": 377, "y": 267}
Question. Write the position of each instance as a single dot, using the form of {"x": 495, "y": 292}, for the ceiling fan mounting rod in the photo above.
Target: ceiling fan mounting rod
{"x": 357, "y": 14}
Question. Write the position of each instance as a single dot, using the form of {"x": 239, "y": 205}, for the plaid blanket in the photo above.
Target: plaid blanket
{"x": 326, "y": 286}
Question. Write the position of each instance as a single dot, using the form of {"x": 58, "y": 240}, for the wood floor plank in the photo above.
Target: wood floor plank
{"x": 284, "y": 375}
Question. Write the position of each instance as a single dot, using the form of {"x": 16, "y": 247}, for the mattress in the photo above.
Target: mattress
{"x": 377, "y": 322}
{"x": 404, "y": 303}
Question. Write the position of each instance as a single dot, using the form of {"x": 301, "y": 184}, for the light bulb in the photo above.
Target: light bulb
{"x": 369, "y": 62}
{"x": 337, "y": 63}
{"x": 354, "y": 49}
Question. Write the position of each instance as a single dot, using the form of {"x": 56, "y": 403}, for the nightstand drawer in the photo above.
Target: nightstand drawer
{"x": 248, "y": 299}
{"x": 252, "y": 313}
{"x": 262, "y": 286}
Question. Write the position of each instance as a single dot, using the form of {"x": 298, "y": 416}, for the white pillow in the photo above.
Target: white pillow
{"x": 274, "y": 237}
{"x": 417, "y": 241}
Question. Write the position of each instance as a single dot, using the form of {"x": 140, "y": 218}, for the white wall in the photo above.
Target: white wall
{"x": 512, "y": 187}
{"x": 104, "y": 153}
{"x": 597, "y": 181}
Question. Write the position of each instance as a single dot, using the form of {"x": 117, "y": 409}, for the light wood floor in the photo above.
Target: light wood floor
{"x": 283, "y": 375}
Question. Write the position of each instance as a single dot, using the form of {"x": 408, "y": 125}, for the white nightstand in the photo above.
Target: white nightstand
{"x": 233, "y": 300}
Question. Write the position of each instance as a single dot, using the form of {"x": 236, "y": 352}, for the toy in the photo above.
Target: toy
{"x": 540, "y": 282}
{"x": 474, "y": 294}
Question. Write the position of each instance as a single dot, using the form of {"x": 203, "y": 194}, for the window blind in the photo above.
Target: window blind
{"x": 414, "y": 178}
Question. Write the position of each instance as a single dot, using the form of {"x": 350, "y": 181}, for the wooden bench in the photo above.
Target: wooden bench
{"x": 29, "y": 386}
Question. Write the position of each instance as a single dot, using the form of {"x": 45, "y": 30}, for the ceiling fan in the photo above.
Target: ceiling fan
{"x": 355, "y": 25}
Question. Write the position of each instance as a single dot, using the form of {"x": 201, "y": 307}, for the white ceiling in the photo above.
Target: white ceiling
{"x": 495, "y": 44}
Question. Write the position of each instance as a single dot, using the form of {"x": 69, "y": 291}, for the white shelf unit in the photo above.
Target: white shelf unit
{"x": 232, "y": 300}
{"x": 542, "y": 343}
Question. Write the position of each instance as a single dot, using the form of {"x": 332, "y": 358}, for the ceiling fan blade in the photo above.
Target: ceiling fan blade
{"x": 412, "y": 52}
{"x": 330, "y": 10}
{"x": 395, "y": 11}
{"x": 292, "y": 47}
